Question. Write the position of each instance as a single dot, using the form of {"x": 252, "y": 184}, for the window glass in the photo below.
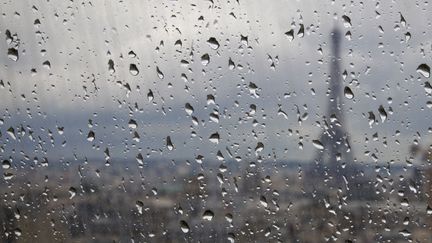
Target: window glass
{"x": 215, "y": 121}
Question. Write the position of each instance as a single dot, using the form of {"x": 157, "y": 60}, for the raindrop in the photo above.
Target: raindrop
{"x": 213, "y": 43}
{"x": 318, "y": 144}
{"x": 140, "y": 159}
{"x": 290, "y": 35}
{"x": 263, "y": 201}
{"x": 139, "y": 205}
{"x": 347, "y": 21}
{"x": 205, "y": 59}
{"x": 214, "y": 138}
{"x": 11, "y": 132}
{"x": 6, "y": 164}
{"x": 405, "y": 233}
{"x": 300, "y": 33}
{"x": 407, "y": 36}
{"x": 184, "y": 226}
{"x": 189, "y": 109}
{"x": 72, "y": 192}
{"x": 46, "y": 65}
{"x": 111, "y": 66}
{"x": 132, "y": 124}
{"x": 13, "y": 54}
{"x": 231, "y": 237}
{"x": 91, "y": 136}
{"x": 169, "y": 144}
{"x": 259, "y": 147}
{"x": 150, "y": 95}
{"x": 133, "y": 69}
{"x": 429, "y": 210}
{"x": 424, "y": 70}
{"x": 382, "y": 113}
{"x": 208, "y": 215}
{"x": 428, "y": 87}
{"x": 131, "y": 54}
{"x": 159, "y": 73}
{"x": 231, "y": 64}
{"x": 348, "y": 93}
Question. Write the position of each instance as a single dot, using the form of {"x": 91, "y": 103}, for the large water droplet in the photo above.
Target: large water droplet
{"x": 189, "y": 109}
{"x": 424, "y": 70}
{"x": 169, "y": 143}
{"x": 290, "y": 35}
{"x": 90, "y": 136}
{"x": 13, "y": 54}
{"x": 348, "y": 93}
{"x": 133, "y": 69}
{"x": 111, "y": 69}
{"x": 213, "y": 43}
{"x": 184, "y": 226}
{"x": 208, "y": 215}
{"x": 259, "y": 147}
{"x": 139, "y": 205}
{"x": 347, "y": 21}
{"x": 318, "y": 144}
{"x": 6, "y": 164}
{"x": 11, "y": 133}
{"x": 382, "y": 113}
{"x": 72, "y": 192}
{"x": 140, "y": 159}
{"x": 214, "y": 138}
{"x": 205, "y": 59}
{"x": 159, "y": 73}
{"x": 132, "y": 124}
{"x": 150, "y": 95}
{"x": 300, "y": 33}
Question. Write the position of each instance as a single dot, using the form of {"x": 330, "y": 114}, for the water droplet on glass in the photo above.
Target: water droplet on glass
{"x": 213, "y": 43}
{"x": 13, "y": 54}
{"x": 263, "y": 201}
{"x": 259, "y": 147}
{"x": 189, "y": 109}
{"x": 72, "y": 192}
{"x": 6, "y": 164}
{"x": 111, "y": 66}
{"x": 424, "y": 70}
{"x": 231, "y": 64}
{"x": 205, "y": 59}
{"x": 208, "y": 215}
{"x": 46, "y": 65}
{"x": 214, "y": 138}
{"x": 150, "y": 95}
{"x": 159, "y": 73}
{"x": 133, "y": 69}
{"x": 140, "y": 159}
{"x": 290, "y": 35}
{"x": 11, "y": 133}
{"x": 139, "y": 205}
{"x": 300, "y": 33}
{"x": 132, "y": 124}
{"x": 382, "y": 113}
{"x": 347, "y": 21}
{"x": 169, "y": 144}
{"x": 184, "y": 226}
{"x": 318, "y": 144}
{"x": 91, "y": 136}
{"x": 348, "y": 93}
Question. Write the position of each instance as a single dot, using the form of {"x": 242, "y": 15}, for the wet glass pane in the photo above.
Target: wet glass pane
{"x": 215, "y": 121}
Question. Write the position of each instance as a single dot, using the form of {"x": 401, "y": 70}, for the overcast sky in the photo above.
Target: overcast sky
{"x": 79, "y": 38}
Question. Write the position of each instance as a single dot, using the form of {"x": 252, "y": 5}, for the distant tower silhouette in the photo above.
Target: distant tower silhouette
{"x": 337, "y": 152}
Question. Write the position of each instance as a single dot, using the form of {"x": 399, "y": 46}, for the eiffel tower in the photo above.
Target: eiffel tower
{"x": 336, "y": 159}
